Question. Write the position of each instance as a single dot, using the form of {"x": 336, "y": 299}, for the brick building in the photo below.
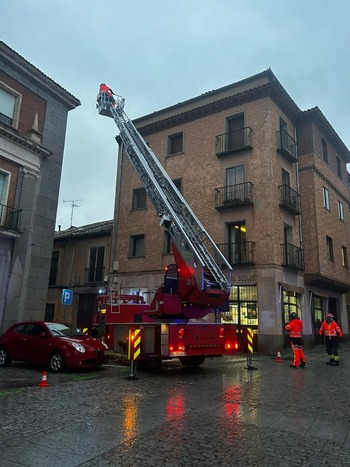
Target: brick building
{"x": 269, "y": 183}
{"x": 80, "y": 262}
{"x": 33, "y": 118}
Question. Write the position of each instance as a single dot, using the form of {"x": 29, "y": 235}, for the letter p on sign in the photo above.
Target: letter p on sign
{"x": 67, "y": 297}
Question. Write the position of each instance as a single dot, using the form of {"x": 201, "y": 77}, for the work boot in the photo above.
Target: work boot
{"x": 336, "y": 363}
{"x": 302, "y": 365}
{"x": 331, "y": 362}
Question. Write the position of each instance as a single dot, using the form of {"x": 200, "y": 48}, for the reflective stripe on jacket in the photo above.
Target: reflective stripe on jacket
{"x": 294, "y": 327}
{"x": 330, "y": 329}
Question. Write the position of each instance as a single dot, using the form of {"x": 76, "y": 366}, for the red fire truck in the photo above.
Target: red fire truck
{"x": 175, "y": 322}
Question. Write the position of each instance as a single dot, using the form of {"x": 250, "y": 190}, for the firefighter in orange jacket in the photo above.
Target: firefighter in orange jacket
{"x": 107, "y": 90}
{"x": 295, "y": 327}
{"x": 332, "y": 333}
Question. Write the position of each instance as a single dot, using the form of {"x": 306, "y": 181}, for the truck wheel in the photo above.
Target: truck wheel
{"x": 4, "y": 357}
{"x": 192, "y": 361}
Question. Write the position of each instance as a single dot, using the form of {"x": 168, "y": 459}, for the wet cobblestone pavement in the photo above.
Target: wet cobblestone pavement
{"x": 220, "y": 414}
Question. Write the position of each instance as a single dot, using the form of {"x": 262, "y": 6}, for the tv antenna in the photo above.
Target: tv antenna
{"x": 73, "y": 205}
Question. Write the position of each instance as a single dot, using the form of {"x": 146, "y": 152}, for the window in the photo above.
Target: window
{"x": 285, "y": 177}
{"x": 9, "y": 105}
{"x": 4, "y": 185}
{"x": 284, "y": 134}
{"x": 96, "y": 260}
{"x": 329, "y": 242}
{"x": 344, "y": 256}
{"x": 237, "y": 236}
{"x": 318, "y": 312}
{"x": 139, "y": 198}
{"x": 291, "y": 304}
{"x": 341, "y": 211}
{"x": 178, "y": 183}
{"x": 235, "y": 175}
{"x": 235, "y": 183}
{"x": 235, "y": 132}
{"x": 136, "y": 246}
{"x": 50, "y": 312}
{"x": 34, "y": 329}
{"x": 166, "y": 243}
{"x": 324, "y": 150}
{"x": 326, "y": 203}
{"x": 54, "y": 267}
{"x": 175, "y": 143}
{"x": 339, "y": 171}
{"x": 243, "y": 306}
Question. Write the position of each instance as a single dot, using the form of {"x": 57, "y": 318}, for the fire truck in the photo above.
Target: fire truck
{"x": 175, "y": 322}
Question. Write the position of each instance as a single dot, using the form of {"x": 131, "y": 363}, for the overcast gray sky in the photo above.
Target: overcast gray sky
{"x": 156, "y": 53}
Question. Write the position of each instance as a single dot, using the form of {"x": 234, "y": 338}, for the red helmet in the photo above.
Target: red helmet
{"x": 330, "y": 315}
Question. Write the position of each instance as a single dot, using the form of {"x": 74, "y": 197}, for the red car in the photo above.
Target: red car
{"x": 54, "y": 345}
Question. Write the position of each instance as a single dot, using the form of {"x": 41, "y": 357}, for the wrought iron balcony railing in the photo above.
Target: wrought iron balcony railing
{"x": 234, "y": 141}
{"x": 287, "y": 146}
{"x": 289, "y": 199}
{"x": 231, "y": 196}
{"x": 293, "y": 257}
{"x": 238, "y": 253}
{"x": 10, "y": 217}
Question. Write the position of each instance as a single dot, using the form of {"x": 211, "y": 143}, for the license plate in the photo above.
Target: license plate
{"x": 177, "y": 354}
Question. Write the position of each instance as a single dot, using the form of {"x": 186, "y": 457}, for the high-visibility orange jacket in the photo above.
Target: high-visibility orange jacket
{"x": 330, "y": 329}
{"x": 105, "y": 88}
{"x": 294, "y": 327}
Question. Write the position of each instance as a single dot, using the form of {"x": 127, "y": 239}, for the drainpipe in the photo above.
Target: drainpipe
{"x": 298, "y": 186}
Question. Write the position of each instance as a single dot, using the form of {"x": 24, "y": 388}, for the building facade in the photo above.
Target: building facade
{"x": 252, "y": 166}
{"x": 33, "y": 119}
{"x": 80, "y": 263}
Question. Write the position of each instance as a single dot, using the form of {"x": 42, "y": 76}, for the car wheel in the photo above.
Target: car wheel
{"x": 56, "y": 362}
{"x": 4, "y": 357}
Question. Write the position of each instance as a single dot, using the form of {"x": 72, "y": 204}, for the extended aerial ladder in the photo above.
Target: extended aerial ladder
{"x": 200, "y": 261}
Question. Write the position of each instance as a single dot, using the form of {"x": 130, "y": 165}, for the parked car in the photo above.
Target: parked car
{"x": 54, "y": 345}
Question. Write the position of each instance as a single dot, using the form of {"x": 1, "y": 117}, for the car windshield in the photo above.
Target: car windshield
{"x": 64, "y": 330}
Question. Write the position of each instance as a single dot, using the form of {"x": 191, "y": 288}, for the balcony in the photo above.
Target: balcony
{"x": 238, "y": 253}
{"x": 234, "y": 141}
{"x": 94, "y": 275}
{"x": 293, "y": 257}
{"x": 287, "y": 146}
{"x": 10, "y": 218}
{"x": 232, "y": 196}
{"x": 290, "y": 199}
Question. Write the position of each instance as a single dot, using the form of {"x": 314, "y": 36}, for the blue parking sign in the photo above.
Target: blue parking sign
{"x": 67, "y": 297}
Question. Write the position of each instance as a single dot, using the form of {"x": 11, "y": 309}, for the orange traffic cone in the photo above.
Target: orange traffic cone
{"x": 43, "y": 383}
{"x": 278, "y": 357}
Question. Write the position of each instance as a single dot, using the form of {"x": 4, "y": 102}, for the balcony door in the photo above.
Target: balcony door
{"x": 3, "y": 196}
{"x": 235, "y": 178}
{"x": 237, "y": 237}
{"x": 284, "y": 134}
{"x": 235, "y": 132}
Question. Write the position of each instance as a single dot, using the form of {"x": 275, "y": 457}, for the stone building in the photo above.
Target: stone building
{"x": 269, "y": 183}
{"x": 33, "y": 119}
{"x": 80, "y": 263}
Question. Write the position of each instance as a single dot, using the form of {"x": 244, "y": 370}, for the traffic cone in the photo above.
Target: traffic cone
{"x": 278, "y": 358}
{"x": 43, "y": 383}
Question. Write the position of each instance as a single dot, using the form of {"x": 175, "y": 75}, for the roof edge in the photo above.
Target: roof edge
{"x": 19, "y": 62}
